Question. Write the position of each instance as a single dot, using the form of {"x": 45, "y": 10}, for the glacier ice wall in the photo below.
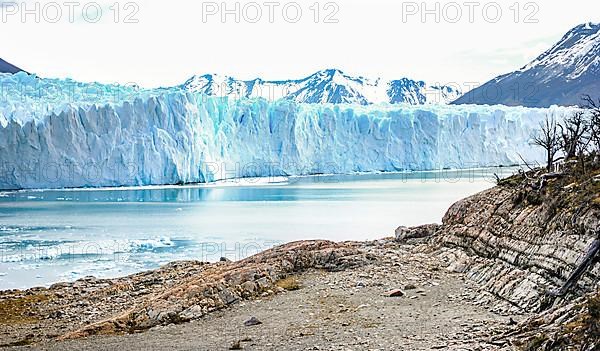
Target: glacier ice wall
{"x": 60, "y": 137}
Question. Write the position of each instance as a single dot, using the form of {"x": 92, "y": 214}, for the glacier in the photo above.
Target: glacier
{"x": 61, "y": 133}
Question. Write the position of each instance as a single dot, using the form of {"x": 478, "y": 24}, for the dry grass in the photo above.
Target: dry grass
{"x": 21, "y": 310}
{"x": 289, "y": 283}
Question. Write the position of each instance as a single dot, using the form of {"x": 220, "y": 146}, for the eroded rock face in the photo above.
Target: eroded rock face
{"x": 522, "y": 249}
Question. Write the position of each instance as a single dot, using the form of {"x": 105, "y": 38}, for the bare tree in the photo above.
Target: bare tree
{"x": 574, "y": 132}
{"x": 548, "y": 138}
{"x": 593, "y": 107}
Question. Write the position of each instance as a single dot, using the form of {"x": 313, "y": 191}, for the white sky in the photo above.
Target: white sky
{"x": 171, "y": 42}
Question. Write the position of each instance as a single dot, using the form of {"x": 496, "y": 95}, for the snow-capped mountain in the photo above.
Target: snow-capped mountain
{"x": 6, "y": 67}
{"x": 327, "y": 86}
{"x": 559, "y": 76}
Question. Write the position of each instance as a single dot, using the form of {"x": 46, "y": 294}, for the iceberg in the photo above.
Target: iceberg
{"x": 62, "y": 133}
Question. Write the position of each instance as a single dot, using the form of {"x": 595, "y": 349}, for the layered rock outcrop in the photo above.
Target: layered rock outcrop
{"x": 527, "y": 245}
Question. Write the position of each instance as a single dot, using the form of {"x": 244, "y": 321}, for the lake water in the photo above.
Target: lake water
{"x": 62, "y": 235}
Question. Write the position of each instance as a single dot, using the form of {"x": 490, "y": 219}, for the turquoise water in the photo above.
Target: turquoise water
{"x": 62, "y": 235}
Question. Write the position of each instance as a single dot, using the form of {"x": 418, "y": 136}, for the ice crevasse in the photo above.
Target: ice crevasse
{"x": 65, "y": 136}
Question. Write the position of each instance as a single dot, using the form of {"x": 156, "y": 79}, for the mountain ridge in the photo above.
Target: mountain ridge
{"x": 326, "y": 86}
{"x": 559, "y": 76}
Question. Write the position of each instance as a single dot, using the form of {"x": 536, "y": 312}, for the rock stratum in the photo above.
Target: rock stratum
{"x": 525, "y": 244}
{"x": 534, "y": 244}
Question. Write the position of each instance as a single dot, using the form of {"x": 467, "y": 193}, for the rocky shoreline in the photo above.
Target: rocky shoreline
{"x": 513, "y": 267}
{"x": 386, "y": 270}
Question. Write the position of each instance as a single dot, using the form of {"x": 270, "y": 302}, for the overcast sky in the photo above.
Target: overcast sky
{"x": 169, "y": 41}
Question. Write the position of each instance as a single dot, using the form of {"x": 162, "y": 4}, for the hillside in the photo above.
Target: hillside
{"x": 559, "y": 76}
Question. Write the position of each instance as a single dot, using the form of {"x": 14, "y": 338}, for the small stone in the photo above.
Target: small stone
{"x": 193, "y": 312}
{"x": 227, "y": 297}
{"x": 236, "y": 346}
{"x": 263, "y": 283}
{"x": 249, "y": 286}
{"x": 394, "y": 293}
{"x": 224, "y": 259}
{"x": 458, "y": 267}
{"x": 410, "y": 287}
{"x": 252, "y": 321}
